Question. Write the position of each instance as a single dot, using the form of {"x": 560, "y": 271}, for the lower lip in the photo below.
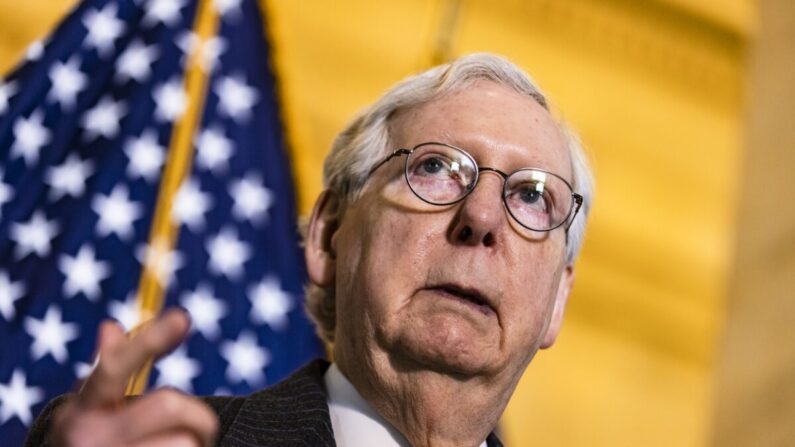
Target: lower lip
{"x": 485, "y": 309}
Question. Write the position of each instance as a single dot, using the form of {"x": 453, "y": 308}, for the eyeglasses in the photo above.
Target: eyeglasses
{"x": 441, "y": 174}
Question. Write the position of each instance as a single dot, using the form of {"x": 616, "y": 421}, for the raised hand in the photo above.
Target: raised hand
{"x": 99, "y": 416}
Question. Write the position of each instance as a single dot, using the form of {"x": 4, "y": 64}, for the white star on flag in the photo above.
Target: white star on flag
{"x": 187, "y": 41}
{"x": 7, "y": 90}
{"x": 204, "y": 51}
{"x": 228, "y": 8}
{"x": 190, "y": 205}
{"x": 227, "y": 253}
{"x": 136, "y": 62}
{"x": 68, "y": 178}
{"x": 178, "y": 370}
{"x": 222, "y": 391}
{"x": 205, "y": 311}
{"x": 210, "y": 50}
{"x": 50, "y": 335}
{"x": 146, "y": 156}
{"x": 10, "y": 292}
{"x": 247, "y": 360}
{"x": 87, "y": 130}
{"x": 30, "y": 135}
{"x": 83, "y": 369}
{"x": 270, "y": 304}
{"x": 235, "y": 97}
{"x": 34, "y": 51}
{"x": 252, "y": 200}
{"x": 67, "y": 82}
{"x": 83, "y": 273}
{"x": 6, "y": 192}
{"x": 103, "y": 119}
{"x": 170, "y": 100}
{"x": 116, "y": 213}
{"x": 34, "y": 236}
{"x": 103, "y": 28}
{"x": 17, "y": 398}
{"x": 166, "y": 12}
{"x": 159, "y": 258}
{"x": 213, "y": 150}
{"x": 126, "y": 312}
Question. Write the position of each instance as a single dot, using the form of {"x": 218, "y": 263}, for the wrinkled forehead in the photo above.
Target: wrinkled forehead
{"x": 497, "y": 125}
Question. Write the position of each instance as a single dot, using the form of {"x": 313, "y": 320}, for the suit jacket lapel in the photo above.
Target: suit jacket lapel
{"x": 291, "y": 413}
{"x": 294, "y": 412}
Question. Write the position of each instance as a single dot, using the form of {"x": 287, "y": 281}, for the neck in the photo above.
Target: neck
{"x": 430, "y": 408}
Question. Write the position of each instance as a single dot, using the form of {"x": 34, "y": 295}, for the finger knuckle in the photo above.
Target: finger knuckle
{"x": 170, "y": 401}
{"x": 184, "y": 440}
{"x": 64, "y": 414}
{"x": 106, "y": 370}
{"x": 150, "y": 341}
{"x": 212, "y": 424}
{"x": 83, "y": 430}
{"x": 208, "y": 420}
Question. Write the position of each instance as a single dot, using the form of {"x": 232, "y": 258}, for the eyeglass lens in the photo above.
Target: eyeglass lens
{"x": 443, "y": 175}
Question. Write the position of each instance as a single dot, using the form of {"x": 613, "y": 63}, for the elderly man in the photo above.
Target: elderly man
{"x": 440, "y": 256}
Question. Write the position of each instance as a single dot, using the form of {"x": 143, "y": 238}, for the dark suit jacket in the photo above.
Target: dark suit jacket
{"x": 291, "y": 413}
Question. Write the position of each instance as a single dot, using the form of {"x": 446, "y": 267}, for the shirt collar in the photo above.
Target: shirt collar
{"x": 354, "y": 421}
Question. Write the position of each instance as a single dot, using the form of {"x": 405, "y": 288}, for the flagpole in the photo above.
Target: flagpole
{"x": 164, "y": 231}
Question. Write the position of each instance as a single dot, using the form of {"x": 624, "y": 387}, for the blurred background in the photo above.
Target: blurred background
{"x": 679, "y": 331}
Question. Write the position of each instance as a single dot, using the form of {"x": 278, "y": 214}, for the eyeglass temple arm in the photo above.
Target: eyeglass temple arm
{"x": 391, "y": 156}
{"x": 578, "y": 199}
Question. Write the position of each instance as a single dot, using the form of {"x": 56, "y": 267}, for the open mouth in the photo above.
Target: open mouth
{"x": 467, "y": 296}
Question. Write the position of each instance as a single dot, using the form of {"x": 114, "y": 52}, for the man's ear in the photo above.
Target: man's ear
{"x": 561, "y": 298}
{"x": 319, "y": 250}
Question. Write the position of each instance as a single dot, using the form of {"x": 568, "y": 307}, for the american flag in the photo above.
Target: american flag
{"x": 88, "y": 134}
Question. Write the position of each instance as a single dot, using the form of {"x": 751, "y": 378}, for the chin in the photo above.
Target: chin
{"x": 447, "y": 349}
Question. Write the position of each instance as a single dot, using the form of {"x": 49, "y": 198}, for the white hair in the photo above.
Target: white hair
{"x": 366, "y": 141}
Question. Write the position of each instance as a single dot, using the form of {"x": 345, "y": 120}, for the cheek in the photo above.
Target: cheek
{"x": 537, "y": 286}
{"x": 379, "y": 262}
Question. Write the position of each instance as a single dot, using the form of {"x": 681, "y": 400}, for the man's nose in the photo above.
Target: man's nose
{"x": 481, "y": 213}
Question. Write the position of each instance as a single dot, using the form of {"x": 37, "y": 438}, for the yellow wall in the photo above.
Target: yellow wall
{"x": 655, "y": 88}
{"x": 755, "y": 380}
{"x": 21, "y": 22}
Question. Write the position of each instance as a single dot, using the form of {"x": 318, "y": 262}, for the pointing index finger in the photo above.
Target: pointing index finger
{"x": 120, "y": 358}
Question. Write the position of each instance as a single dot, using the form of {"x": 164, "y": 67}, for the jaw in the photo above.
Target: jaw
{"x": 448, "y": 336}
{"x": 414, "y": 379}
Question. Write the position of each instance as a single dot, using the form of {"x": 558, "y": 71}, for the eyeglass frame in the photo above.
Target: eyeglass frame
{"x": 577, "y": 199}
